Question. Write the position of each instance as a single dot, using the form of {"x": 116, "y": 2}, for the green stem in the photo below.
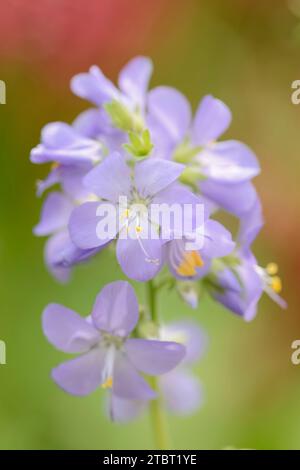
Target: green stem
{"x": 152, "y": 302}
{"x": 158, "y": 417}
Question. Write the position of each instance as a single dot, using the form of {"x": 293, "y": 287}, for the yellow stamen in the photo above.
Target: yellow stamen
{"x": 138, "y": 229}
{"x": 197, "y": 259}
{"x": 126, "y": 213}
{"x": 276, "y": 284}
{"x": 272, "y": 268}
{"x": 185, "y": 270}
{"x": 91, "y": 198}
{"x": 108, "y": 383}
{"x": 191, "y": 260}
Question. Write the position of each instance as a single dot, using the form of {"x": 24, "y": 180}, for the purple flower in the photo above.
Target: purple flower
{"x": 119, "y": 110}
{"x": 226, "y": 162}
{"x": 133, "y": 84}
{"x": 107, "y": 356}
{"x": 70, "y": 179}
{"x": 60, "y": 143}
{"x": 250, "y": 225}
{"x": 223, "y": 169}
{"x": 239, "y": 286}
{"x": 60, "y": 252}
{"x": 152, "y": 182}
{"x": 236, "y": 199}
{"x": 72, "y": 155}
{"x": 55, "y": 215}
{"x": 194, "y": 263}
{"x": 180, "y": 389}
{"x": 96, "y": 124}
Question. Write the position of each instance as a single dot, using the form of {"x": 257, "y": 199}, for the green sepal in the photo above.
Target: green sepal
{"x": 120, "y": 116}
{"x": 140, "y": 145}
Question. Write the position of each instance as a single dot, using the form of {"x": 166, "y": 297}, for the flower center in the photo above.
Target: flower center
{"x": 184, "y": 262}
{"x": 108, "y": 383}
{"x": 191, "y": 261}
{"x": 107, "y": 372}
{"x": 136, "y": 220}
{"x": 271, "y": 281}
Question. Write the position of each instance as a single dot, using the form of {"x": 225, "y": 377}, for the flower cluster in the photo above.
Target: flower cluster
{"x": 109, "y": 358}
{"x": 136, "y": 150}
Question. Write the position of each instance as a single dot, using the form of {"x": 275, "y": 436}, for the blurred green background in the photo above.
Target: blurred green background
{"x": 247, "y": 53}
